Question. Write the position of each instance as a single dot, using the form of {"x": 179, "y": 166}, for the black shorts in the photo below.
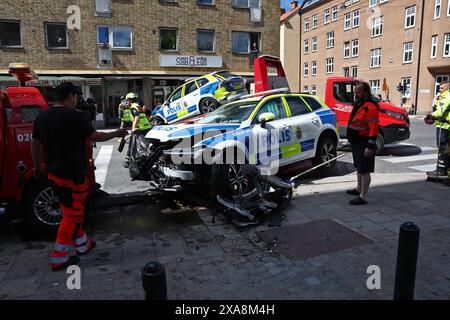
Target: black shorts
{"x": 360, "y": 162}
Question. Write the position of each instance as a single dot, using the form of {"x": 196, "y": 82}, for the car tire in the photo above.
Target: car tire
{"x": 40, "y": 209}
{"x": 380, "y": 144}
{"x": 326, "y": 150}
{"x": 208, "y": 105}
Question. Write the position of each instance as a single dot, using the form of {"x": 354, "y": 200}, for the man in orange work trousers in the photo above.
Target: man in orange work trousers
{"x": 61, "y": 131}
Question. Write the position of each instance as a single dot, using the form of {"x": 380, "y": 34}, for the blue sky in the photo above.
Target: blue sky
{"x": 287, "y": 4}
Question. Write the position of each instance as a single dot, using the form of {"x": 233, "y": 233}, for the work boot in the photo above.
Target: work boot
{"x": 72, "y": 260}
{"x": 90, "y": 245}
{"x": 440, "y": 172}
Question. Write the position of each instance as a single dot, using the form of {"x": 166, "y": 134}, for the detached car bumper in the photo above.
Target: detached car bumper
{"x": 395, "y": 132}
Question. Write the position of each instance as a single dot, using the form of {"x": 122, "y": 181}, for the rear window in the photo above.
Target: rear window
{"x": 30, "y": 113}
{"x": 313, "y": 103}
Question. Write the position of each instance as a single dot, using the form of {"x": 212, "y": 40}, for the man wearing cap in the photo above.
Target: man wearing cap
{"x": 61, "y": 133}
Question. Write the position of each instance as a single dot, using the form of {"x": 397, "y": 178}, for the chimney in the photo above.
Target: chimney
{"x": 282, "y": 11}
{"x": 294, "y": 4}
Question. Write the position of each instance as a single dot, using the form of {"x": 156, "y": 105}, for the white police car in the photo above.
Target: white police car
{"x": 199, "y": 96}
{"x": 275, "y": 132}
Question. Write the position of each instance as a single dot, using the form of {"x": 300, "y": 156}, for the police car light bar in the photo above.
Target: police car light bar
{"x": 265, "y": 93}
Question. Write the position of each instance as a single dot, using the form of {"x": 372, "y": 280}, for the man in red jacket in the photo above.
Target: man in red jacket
{"x": 362, "y": 132}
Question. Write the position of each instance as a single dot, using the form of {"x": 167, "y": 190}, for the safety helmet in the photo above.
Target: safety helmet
{"x": 131, "y": 95}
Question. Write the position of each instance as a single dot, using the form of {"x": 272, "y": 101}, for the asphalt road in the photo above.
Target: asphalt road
{"x": 418, "y": 154}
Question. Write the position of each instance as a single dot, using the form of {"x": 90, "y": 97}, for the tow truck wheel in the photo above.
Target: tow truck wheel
{"x": 326, "y": 150}
{"x": 208, "y": 105}
{"x": 380, "y": 144}
{"x": 40, "y": 208}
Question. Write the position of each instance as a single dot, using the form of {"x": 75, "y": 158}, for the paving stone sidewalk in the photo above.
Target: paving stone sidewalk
{"x": 217, "y": 260}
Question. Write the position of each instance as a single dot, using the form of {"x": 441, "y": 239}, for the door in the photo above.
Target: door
{"x": 190, "y": 100}
{"x": 113, "y": 110}
{"x": 170, "y": 112}
{"x": 275, "y": 145}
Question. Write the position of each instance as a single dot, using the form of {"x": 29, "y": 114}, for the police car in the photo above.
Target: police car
{"x": 199, "y": 96}
{"x": 273, "y": 131}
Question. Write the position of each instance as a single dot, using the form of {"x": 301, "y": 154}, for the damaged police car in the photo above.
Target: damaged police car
{"x": 271, "y": 131}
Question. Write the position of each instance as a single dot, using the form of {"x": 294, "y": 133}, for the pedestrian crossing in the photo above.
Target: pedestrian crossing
{"x": 102, "y": 160}
{"x": 428, "y": 154}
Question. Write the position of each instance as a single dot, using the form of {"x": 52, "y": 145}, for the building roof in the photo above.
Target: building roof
{"x": 310, "y": 3}
{"x": 290, "y": 13}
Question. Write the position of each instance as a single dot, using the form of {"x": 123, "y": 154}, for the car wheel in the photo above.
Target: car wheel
{"x": 380, "y": 145}
{"x": 326, "y": 150}
{"x": 229, "y": 180}
{"x": 208, "y": 105}
{"x": 41, "y": 212}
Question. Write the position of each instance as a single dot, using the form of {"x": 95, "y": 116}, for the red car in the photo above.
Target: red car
{"x": 394, "y": 120}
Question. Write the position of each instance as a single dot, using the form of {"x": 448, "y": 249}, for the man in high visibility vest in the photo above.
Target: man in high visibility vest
{"x": 441, "y": 118}
{"x": 126, "y": 119}
{"x": 140, "y": 124}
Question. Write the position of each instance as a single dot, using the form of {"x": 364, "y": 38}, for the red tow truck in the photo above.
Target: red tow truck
{"x": 394, "y": 120}
{"x": 20, "y": 193}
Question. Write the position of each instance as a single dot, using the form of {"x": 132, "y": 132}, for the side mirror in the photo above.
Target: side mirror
{"x": 265, "y": 117}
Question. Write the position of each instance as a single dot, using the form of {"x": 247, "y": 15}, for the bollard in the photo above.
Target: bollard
{"x": 154, "y": 281}
{"x": 405, "y": 273}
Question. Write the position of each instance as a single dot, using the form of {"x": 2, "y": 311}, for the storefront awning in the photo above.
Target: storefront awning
{"x": 52, "y": 81}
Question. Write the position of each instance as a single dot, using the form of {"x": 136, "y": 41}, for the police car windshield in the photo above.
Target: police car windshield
{"x": 231, "y": 113}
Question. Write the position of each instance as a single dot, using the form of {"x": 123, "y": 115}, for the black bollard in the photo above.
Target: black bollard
{"x": 154, "y": 281}
{"x": 405, "y": 274}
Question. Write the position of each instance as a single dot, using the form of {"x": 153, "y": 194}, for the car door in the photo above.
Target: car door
{"x": 275, "y": 141}
{"x": 189, "y": 101}
{"x": 175, "y": 99}
{"x": 306, "y": 125}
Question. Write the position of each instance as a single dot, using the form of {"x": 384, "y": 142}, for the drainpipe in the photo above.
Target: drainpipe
{"x": 300, "y": 50}
{"x": 420, "y": 55}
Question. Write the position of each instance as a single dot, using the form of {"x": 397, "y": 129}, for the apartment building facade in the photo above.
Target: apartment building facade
{"x": 111, "y": 47}
{"x": 384, "y": 42}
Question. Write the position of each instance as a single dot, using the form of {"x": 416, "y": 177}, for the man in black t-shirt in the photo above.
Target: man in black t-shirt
{"x": 62, "y": 132}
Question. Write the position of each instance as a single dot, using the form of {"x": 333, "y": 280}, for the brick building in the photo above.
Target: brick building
{"x": 148, "y": 46}
{"x": 380, "y": 41}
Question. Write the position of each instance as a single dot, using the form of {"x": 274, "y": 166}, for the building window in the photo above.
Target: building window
{"x": 346, "y": 49}
{"x": 305, "y": 70}
{"x": 377, "y": 26}
{"x": 206, "y": 40}
{"x": 448, "y": 9}
{"x": 383, "y": 1}
{"x": 330, "y": 39}
{"x": 410, "y": 17}
{"x": 10, "y": 34}
{"x": 56, "y": 36}
{"x": 437, "y": 9}
{"x": 314, "y": 44}
{"x": 375, "y": 86}
{"x": 355, "y": 19}
{"x": 314, "y": 68}
{"x": 241, "y": 3}
{"x": 313, "y": 89}
{"x": 168, "y": 39}
{"x": 355, "y": 47}
{"x": 326, "y": 16}
{"x": 243, "y": 40}
{"x": 330, "y": 65}
{"x": 314, "y": 21}
{"x": 434, "y": 44}
{"x": 306, "y": 24}
{"x": 375, "y": 58}
{"x": 354, "y": 72}
{"x": 347, "y": 21}
{"x": 334, "y": 13}
{"x": 306, "y": 46}
{"x": 446, "y": 53}
{"x": 372, "y": 3}
{"x": 118, "y": 37}
{"x": 346, "y": 72}
{"x": 102, "y": 8}
{"x": 305, "y": 89}
{"x": 206, "y": 2}
{"x": 407, "y": 52}
{"x": 406, "y": 82}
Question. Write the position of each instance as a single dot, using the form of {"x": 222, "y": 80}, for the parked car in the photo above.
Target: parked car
{"x": 300, "y": 126}
{"x": 199, "y": 96}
